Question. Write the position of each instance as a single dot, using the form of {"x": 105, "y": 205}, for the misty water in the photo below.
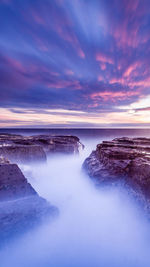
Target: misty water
{"x": 95, "y": 227}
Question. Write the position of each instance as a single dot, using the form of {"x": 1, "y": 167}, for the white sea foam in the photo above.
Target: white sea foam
{"x": 96, "y": 227}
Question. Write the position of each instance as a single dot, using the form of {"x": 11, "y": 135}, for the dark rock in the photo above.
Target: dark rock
{"x": 23, "y": 153}
{"x": 19, "y": 148}
{"x": 20, "y": 206}
{"x": 123, "y": 160}
{"x": 57, "y": 144}
{"x": 3, "y": 160}
{"x": 20, "y": 215}
{"x": 13, "y": 184}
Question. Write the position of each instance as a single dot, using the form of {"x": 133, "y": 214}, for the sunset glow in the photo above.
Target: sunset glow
{"x": 74, "y": 63}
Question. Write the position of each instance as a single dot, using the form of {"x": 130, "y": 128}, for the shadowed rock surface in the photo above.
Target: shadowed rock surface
{"x": 23, "y": 153}
{"x": 124, "y": 160}
{"x": 13, "y": 184}
{"x": 20, "y": 206}
{"x": 22, "y": 149}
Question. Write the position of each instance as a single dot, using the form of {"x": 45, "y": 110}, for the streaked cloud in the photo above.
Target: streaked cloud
{"x": 74, "y": 62}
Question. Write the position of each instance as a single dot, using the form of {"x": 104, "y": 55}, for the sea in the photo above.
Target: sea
{"x": 96, "y": 227}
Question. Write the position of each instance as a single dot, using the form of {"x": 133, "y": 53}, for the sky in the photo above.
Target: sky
{"x": 74, "y": 63}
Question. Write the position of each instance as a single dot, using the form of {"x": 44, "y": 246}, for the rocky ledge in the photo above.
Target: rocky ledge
{"x": 22, "y": 149}
{"x": 20, "y": 206}
{"x": 124, "y": 160}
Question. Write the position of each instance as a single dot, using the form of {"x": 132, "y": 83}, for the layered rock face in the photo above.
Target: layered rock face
{"x": 23, "y": 153}
{"x": 123, "y": 160}
{"x": 22, "y": 149}
{"x": 13, "y": 184}
{"x": 20, "y": 206}
{"x": 17, "y": 148}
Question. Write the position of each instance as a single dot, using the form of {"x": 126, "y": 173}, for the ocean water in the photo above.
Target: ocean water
{"x": 96, "y": 227}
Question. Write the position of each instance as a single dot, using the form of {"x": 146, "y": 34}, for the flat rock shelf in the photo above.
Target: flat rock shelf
{"x": 26, "y": 149}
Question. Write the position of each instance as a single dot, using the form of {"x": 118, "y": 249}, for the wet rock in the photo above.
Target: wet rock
{"x": 20, "y": 215}
{"x": 56, "y": 144}
{"x": 23, "y": 153}
{"x": 3, "y": 160}
{"x": 124, "y": 160}
{"x": 19, "y": 148}
{"x": 20, "y": 206}
{"x": 13, "y": 184}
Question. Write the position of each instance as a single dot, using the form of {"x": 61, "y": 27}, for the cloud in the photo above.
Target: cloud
{"x": 85, "y": 56}
{"x": 103, "y": 58}
{"x": 113, "y": 96}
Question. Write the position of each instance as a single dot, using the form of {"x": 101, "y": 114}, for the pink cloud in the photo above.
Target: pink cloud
{"x": 130, "y": 69}
{"x": 81, "y": 53}
{"x": 125, "y": 37}
{"x": 69, "y": 72}
{"x": 103, "y": 58}
{"x": 116, "y": 80}
{"x": 15, "y": 70}
{"x": 127, "y": 33}
{"x": 133, "y": 76}
{"x": 93, "y": 105}
{"x": 100, "y": 78}
{"x": 70, "y": 37}
{"x": 103, "y": 66}
{"x": 15, "y": 64}
{"x": 64, "y": 84}
{"x": 113, "y": 96}
{"x": 142, "y": 83}
{"x": 131, "y": 6}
